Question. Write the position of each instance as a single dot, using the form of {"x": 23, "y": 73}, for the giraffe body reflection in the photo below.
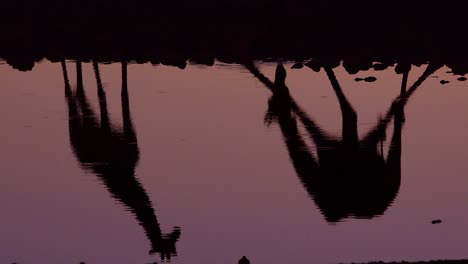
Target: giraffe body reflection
{"x": 348, "y": 177}
{"x": 112, "y": 154}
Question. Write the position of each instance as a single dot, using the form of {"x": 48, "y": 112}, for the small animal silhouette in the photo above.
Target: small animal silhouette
{"x": 244, "y": 260}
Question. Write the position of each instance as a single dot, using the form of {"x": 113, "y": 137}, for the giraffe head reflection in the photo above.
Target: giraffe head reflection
{"x": 112, "y": 154}
{"x": 348, "y": 176}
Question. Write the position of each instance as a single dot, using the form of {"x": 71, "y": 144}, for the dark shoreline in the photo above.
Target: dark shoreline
{"x": 174, "y": 32}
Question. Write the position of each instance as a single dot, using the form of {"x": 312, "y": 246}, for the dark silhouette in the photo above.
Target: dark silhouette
{"x": 112, "y": 154}
{"x": 437, "y": 221}
{"x": 244, "y": 260}
{"x": 367, "y": 79}
{"x": 349, "y": 177}
{"x": 295, "y": 30}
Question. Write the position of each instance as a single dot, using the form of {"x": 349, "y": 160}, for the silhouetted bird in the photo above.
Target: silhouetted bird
{"x": 244, "y": 260}
{"x": 438, "y": 221}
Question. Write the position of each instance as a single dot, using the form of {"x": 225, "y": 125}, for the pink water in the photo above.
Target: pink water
{"x": 210, "y": 165}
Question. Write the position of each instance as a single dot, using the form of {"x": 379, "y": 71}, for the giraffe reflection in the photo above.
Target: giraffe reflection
{"x": 112, "y": 154}
{"x": 349, "y": 177}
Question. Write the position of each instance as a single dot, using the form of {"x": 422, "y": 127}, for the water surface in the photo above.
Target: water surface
{"x": 207, "y": 163}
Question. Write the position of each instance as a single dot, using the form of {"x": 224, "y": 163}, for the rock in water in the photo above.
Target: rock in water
{"x": 370, "y": 79}
{"x": 297, "y": 65}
